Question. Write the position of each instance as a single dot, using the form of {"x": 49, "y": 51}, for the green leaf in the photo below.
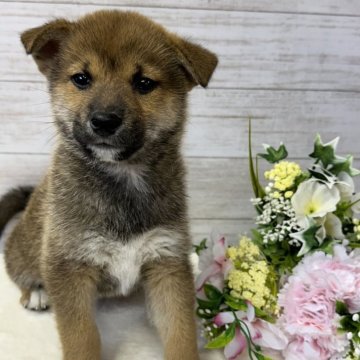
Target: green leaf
{"x": 257, "y": 237}
{"x": 324, "y": 152}
{"x": 322, "y": 174}
{"x": 272, "y": 155}
{"x": 212, "y": 293}
{"x": 235, "y": 304}
{"x": 257, "y": 188}
{"x": 344, "y": 165}
{"x": 227, "y": 296}
{"x": 202, "y": 246}
{"x": 264, "y": 315}
{"x": 261, "y": 356}
{"x": 348, "y": 324}
{"x": 301, "y": 178}
{"x": 347, "y": 206}
{"x": 208, "y": 304}
{"x": 223, "y": 339}
{"x": 204, "y": 315}
{"x": 327, "y": 246}
{"x": 307, "y": 237}
{"x": 341, "y": 308}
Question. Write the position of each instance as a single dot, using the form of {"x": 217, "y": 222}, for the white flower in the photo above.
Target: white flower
{"x": 333, "y": 227}
{"x": 356, "y": 200}
{"x": 323, "y": 176}
{"x": 194, "y": 261}
{"x": 314, "y": 200}
{"x": 312, "y": 231}
{"x": 280, "y": 214}
{"x": 346, "y": 186}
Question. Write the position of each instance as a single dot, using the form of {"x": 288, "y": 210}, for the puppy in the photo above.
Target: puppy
{"x": 111, "y": 211}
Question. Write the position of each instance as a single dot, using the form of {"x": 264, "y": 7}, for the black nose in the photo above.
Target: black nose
{"x": 105, "y": 124}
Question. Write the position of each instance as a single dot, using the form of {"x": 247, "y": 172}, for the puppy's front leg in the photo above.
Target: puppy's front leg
{"x": 170, "y": 295}
{"x": 72, "y": 292}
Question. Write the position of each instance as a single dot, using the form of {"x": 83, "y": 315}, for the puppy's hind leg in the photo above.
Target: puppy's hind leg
{"x": 22, "y": 265}
{"x": 171, "y": 299}
{"x": 34, "y": 299}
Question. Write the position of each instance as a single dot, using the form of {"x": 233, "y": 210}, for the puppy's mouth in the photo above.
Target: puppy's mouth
{"x": 110, "y": 153}
{"x": 103, "y": 152}
{"x": 112, "y": 149}
{"x": 104, "y": 146}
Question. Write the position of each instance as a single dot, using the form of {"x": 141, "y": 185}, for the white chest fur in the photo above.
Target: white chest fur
{"x": 124, "y": 261}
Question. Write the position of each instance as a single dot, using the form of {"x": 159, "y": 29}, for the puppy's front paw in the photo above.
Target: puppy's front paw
{"x": 35, "y": 299}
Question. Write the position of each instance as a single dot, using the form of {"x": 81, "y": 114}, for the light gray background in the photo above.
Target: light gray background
{"x": 294, "y": 66}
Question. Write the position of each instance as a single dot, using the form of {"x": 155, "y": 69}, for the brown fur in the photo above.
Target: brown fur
{"x": 15, "y": 200}
{"x": 97, "y": 208}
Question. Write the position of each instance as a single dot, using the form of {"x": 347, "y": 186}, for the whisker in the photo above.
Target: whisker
{"x": 71, "y": 110}
{"x": 48, "y": 126}
{"x": 48, "y": 102}
{"x": 50, "y": 139}
{"x": 41, "y": 117}
{"x": 44, "y": 103}
{"x": 37, "y": 89}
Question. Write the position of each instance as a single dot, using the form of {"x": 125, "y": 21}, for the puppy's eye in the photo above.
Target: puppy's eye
{"x": 81, "y": 80}
{"x": 143, "y": 84}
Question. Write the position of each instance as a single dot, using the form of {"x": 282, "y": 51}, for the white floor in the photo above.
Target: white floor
{"x": 125, "y": 331}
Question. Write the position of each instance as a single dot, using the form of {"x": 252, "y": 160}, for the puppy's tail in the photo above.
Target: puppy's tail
{"x": 13, "y": 202}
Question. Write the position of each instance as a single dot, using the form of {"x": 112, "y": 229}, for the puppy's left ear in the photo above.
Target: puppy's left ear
{"x": 44, "y": 43}
{"x": 198, "y": 62}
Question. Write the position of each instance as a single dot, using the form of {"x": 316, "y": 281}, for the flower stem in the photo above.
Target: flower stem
{"x": 257, "y": 188}
{"x": 246, "y": 332}
{"x": 351, "y": 204}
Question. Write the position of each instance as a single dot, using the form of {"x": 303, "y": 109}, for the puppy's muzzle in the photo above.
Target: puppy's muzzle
{"x": 105, "y": 123}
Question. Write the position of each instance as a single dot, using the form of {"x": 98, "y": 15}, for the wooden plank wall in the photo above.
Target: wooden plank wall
{"x": 293, "y": 66}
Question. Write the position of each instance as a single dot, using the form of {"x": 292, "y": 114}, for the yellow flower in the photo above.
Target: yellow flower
{"x": 283, "y": 174}
{"x": 245, "y": 249}
{"x": 245, "y": 266}
{"x": 289, "y": 194}
{"x": 250, "y": 286}
{"x": 251, "y": 276}
{"x": 232, "y": 253}
{"x": 276, "y": 195}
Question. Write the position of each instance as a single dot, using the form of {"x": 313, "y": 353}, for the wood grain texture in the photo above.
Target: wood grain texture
{"x": 256, "y": 50}
{"x": 293, "y": 66}
{"x": 335, "y": 7}
{"x": 218, "y": 120}
{"x": 217, "y": 188}
{"x": 232, "y": 229}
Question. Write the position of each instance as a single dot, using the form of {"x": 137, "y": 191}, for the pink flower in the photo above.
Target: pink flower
{"x": 300, "y": 349}
{"x": 263, "y": 333}
{"x": 348, "y": 269}
{"x": 308, "y": 303}
{"x": 216, "y": 266}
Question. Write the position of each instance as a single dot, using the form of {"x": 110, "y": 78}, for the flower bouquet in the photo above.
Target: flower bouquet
{"x": 291, "y": 290}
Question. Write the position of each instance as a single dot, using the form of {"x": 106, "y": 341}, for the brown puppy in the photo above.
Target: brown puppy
{"x": 111, "y": 211}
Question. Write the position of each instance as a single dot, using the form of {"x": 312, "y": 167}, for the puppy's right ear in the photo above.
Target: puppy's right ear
{"x": 44, "y": 43}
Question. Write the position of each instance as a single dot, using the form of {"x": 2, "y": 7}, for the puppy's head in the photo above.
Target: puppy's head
{"x": 118, "y": 82}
